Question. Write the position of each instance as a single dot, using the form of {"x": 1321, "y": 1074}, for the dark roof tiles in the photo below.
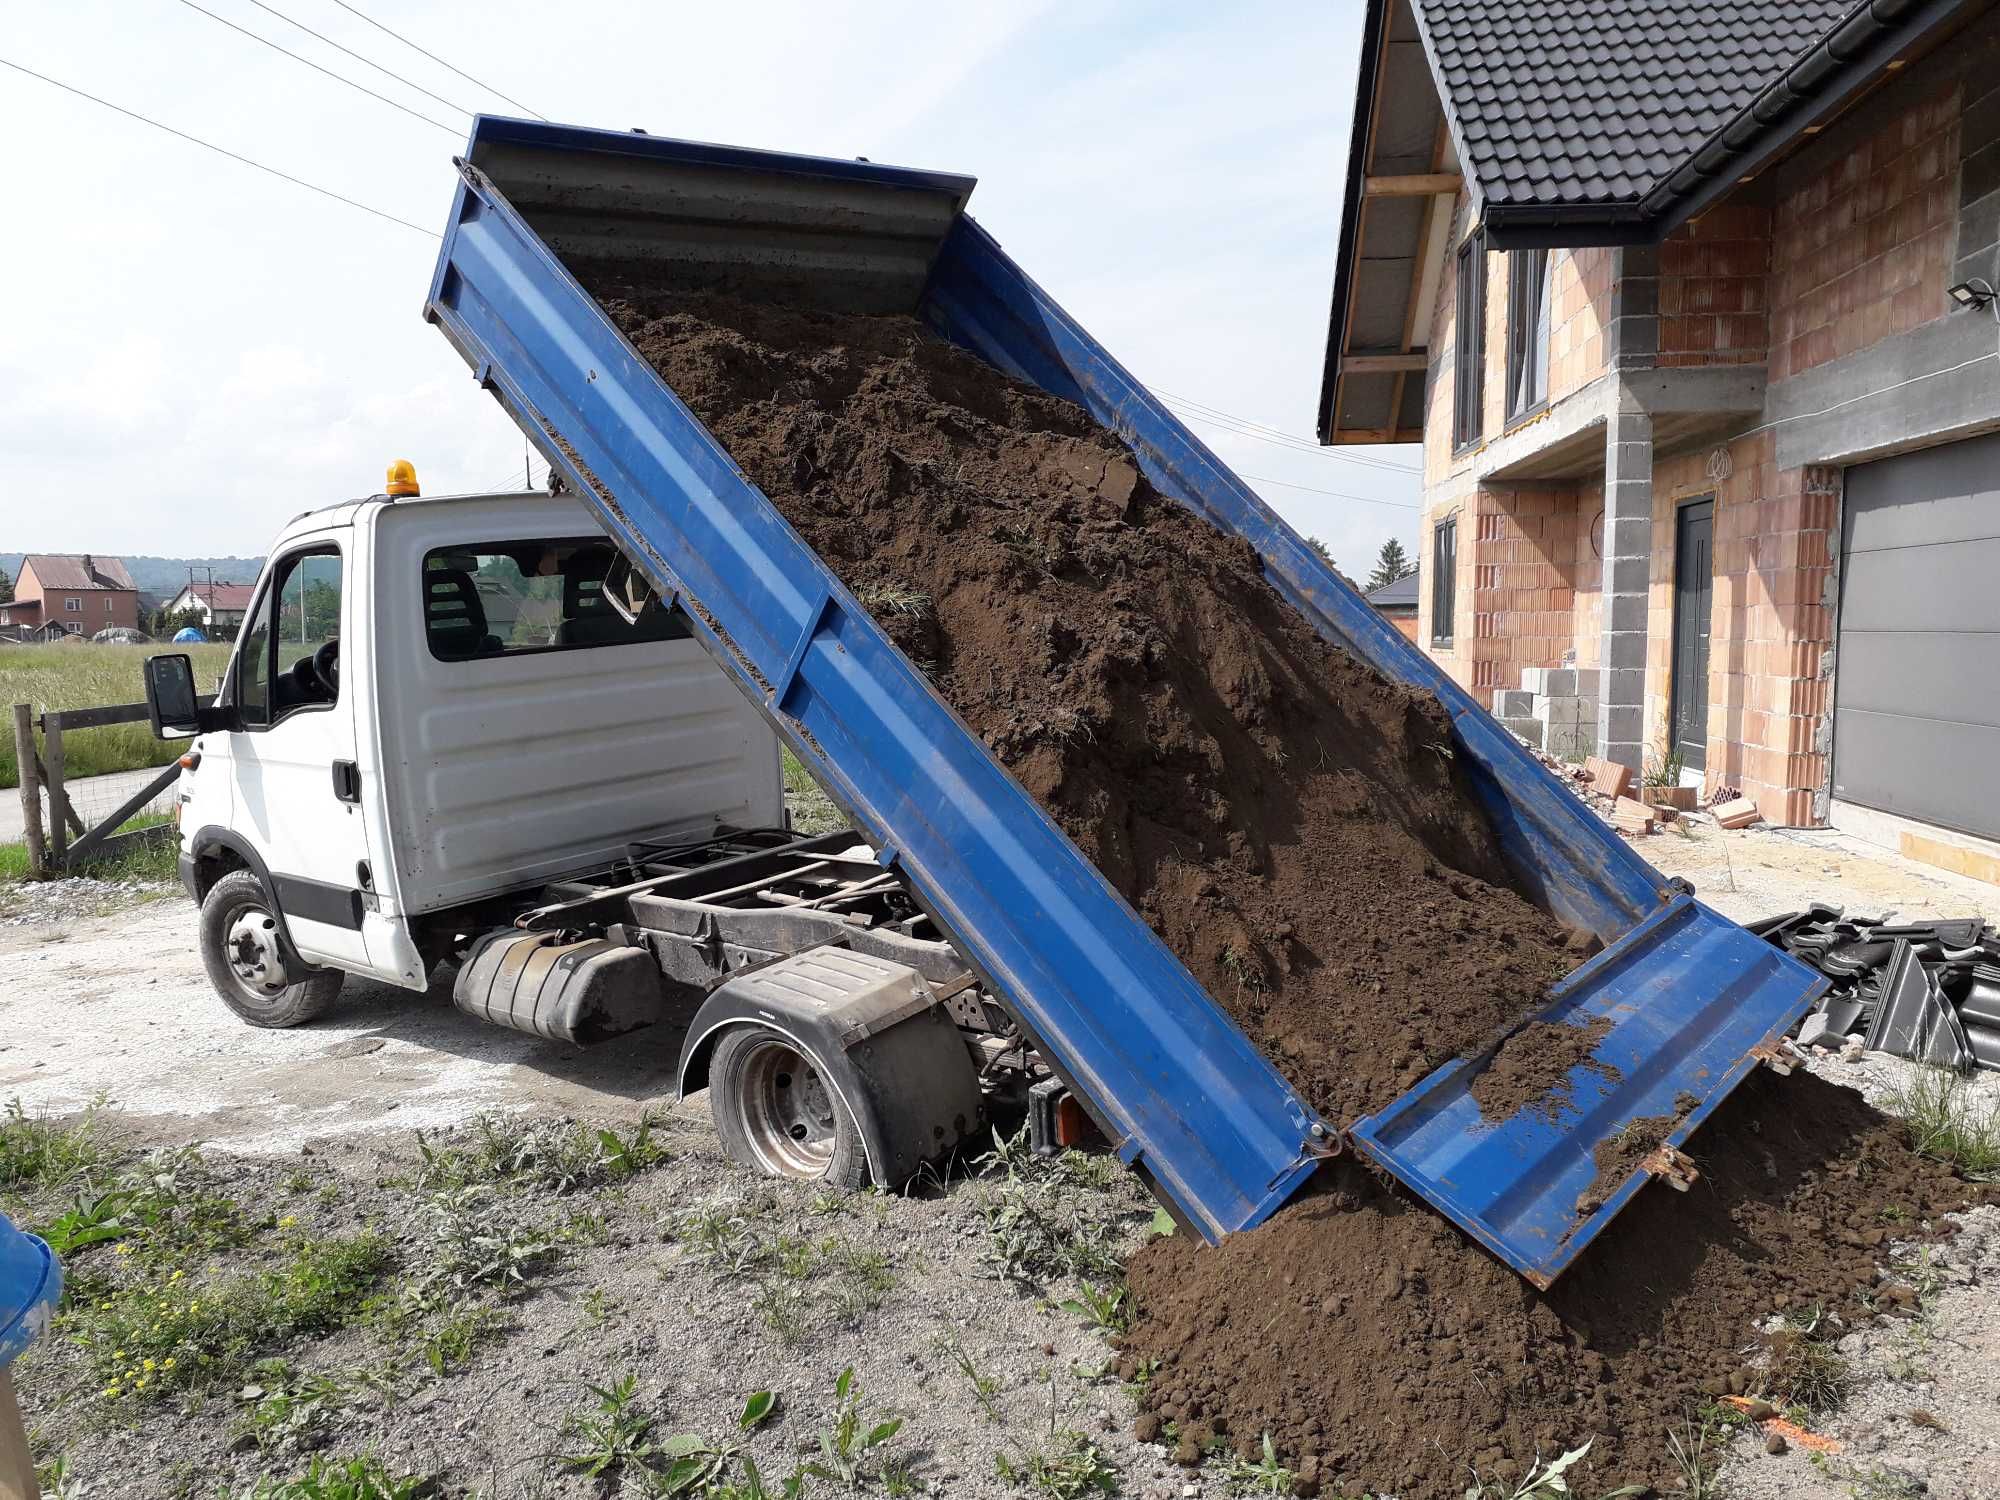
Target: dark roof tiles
{"x": 1597, "y": 101}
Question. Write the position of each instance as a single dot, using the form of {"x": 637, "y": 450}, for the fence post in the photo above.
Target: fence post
{"x": 31, "y": 789}
{"x": 52, "y": 766}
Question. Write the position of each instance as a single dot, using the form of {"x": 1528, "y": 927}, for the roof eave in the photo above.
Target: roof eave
{"x": 1375, "y": 17}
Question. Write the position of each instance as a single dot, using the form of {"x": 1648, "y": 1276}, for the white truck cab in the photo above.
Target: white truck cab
{"x": 459, "y": 732}
{"x": 432, "y": 702}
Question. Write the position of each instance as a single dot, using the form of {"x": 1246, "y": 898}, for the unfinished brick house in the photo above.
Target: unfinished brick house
{"x": 1692, "y": 308}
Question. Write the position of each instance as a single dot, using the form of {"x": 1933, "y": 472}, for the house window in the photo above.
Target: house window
{"x": 1444, "y": 579}
{"x": 109, "y": 604}
{"x": 1527, "y": 331}
{"x": 1468, "y": 382}
{"x": 74, "y": 606}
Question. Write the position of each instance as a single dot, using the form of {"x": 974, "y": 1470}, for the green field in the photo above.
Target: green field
{"x": 87, "y": 676}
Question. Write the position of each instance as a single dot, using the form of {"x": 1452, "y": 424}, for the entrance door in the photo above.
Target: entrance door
{"x": 301, "y": 813}
{"x": 1694, "y": 593}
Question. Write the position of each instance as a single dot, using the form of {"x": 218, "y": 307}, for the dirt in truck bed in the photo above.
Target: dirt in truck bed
{"x": 1296, "y": 829}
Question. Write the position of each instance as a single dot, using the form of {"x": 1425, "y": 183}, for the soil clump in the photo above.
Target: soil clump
{"x": 1532, "y": 1067}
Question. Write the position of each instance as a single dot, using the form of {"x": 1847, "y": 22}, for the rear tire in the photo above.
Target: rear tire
{"x": 777, "y": 1113}
{"x": 252, "y": 969}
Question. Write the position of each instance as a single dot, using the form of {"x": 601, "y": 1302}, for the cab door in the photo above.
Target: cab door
{"x": 293, "y": 764}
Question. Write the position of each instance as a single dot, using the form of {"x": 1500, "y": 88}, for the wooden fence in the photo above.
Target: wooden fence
{"x": 51, "y": 850}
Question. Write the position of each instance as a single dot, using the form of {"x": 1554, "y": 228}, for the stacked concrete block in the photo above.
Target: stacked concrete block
{"x": 1561, "y": 704}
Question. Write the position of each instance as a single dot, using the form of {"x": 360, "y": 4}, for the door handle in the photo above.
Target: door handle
{"x": 346, "y": 781}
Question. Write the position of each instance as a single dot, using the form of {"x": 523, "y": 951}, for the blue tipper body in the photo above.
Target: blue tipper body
{"x": 1181, "y": 1092}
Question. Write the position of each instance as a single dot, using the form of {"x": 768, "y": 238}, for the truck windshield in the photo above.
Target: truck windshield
{"x": 541, "y": 594}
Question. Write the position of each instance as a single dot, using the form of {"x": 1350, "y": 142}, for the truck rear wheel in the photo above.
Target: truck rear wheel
{"x": 248, "y": 963}
{"x": 776, "y": 1111}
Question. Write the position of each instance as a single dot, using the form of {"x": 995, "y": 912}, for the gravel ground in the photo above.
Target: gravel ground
{"x": 317, "y": 1124}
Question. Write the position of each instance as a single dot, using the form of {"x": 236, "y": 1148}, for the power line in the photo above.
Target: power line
{"x": 1250, "y": 428}
{"x": 1336, "y": 494}
{"x": 358, "y": 57}
{"x": 219, "y": 150}
{"x": 438, "y": 60}
{"x": 337, "y": 78}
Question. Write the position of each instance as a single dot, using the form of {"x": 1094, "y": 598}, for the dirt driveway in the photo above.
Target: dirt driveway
{"x": 140, "y": 1025}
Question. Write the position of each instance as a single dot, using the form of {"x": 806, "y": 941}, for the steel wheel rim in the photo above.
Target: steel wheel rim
{"x": 250, "y": 949}
{"x": 786, "y": 1110}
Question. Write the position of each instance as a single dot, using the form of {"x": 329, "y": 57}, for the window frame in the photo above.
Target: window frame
{"x": 1528, "y": 277}
{"x": 679, "y": 628}
{"x": 1444, "y": 581}
{"x": 1468, "y": 417}
{"x": 274, "y": 581}
{"x": 72, "y": 604}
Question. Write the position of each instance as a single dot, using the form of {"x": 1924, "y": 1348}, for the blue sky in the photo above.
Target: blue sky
{"x": 195, "y": 352}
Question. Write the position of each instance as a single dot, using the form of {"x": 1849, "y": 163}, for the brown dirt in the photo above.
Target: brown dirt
{"x": 1287, "y": 819}
{"x": 1531, "y": 1068}
{"x": 1617, "y": 1158}
{"x": 1363, "y": 1332}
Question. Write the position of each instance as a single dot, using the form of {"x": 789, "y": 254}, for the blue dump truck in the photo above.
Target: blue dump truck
{"x": 1683, "y": 1003}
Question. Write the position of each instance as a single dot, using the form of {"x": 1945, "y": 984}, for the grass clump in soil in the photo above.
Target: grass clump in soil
{"x": 160, "y": 1334}
{"x": 558, "y": 1155}
{"x": 39, "y": 1154}
{"x": 1947, "y": 1122}
{"x": 363, "y": 1477}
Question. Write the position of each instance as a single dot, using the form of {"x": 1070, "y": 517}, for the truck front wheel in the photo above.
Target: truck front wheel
{"x": 250, "y": 966}
{"x": 778, "y": 1113}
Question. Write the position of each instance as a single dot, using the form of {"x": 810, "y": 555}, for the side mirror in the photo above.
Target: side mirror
{"x": 170, "y": 697}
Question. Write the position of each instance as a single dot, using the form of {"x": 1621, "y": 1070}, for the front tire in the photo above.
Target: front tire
{"x": 777, "y": 1112}
{"x": 250, "y": 966}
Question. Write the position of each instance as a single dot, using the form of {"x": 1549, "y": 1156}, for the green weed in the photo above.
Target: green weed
{"x": 1946, "y": 1121}
{"x": 849, "y": 1446}
{"x": 362, "y": 1478}
{"x": 38, "y": 1154}
{"x": 1066, "y": 1466}
{"x": 1545, "y": 1480}
{"x": 984, "y": 1387}
{"x": 1101, "y": 1308}
{"x": 616, "y": 1434}
{"x": 558, "y": 1155}
{"x": 1265, "y": 1477}
{"x": 693, "y": 1464}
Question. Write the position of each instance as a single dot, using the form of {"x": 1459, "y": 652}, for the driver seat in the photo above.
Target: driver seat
{"x": 455, "y": 616}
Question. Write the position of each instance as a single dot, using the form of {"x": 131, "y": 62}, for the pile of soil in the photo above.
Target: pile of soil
{"x": 1387, "y": 1355}
{"x": 1294, "y": 827}
{"x": 1289, "y": 821}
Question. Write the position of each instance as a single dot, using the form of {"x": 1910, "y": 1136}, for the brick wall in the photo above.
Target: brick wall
{"x": 1587, "y": 575}
{"x": 1579, "y": 306}
{"x": 1863, "y": 250}
{"x": 1770, "y": 627}
{"x": 1714, "y": 276}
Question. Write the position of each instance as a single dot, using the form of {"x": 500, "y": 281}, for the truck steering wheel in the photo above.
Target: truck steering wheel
{"x": 326, "y": 667}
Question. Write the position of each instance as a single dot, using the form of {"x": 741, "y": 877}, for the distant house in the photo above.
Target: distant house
{"x": 78, "y": 594}
{"x": 1398, "y": 601}
{"x": 221, "y": 606}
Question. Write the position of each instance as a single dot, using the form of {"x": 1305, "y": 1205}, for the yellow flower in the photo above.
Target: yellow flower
{"x": 194, "y": 1307}
{"x": 147, "y": 1363}
{"x": 288, "y": 1221}
{"x": 177, "y": 1276}
{"x": 117, "y": 1353}
{"x": 111, "y": 1390}
{"x": 139, "y": 1385}
{"x": 169, "y": 1364}
{"x": 124, "y": 1249}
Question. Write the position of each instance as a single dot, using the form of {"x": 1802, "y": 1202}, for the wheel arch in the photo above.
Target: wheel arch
{"x": 214, "y": 852}
{"x": 902, "y": 1071}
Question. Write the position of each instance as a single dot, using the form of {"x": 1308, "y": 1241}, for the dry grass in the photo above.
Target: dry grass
{"x": 87, "y": 676}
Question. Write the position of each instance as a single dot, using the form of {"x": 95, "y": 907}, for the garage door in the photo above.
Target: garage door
{"x": 1916, "y": 725}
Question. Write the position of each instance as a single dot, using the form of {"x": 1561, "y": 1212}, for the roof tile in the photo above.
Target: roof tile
{"x": 1597, "y": 101}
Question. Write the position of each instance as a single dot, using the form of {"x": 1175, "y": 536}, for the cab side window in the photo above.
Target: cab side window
{"x": 289, "y": 657}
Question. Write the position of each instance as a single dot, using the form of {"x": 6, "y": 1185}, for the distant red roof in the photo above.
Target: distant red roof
{"x": 74, "y": 572}
{"x": 225, "y": 596}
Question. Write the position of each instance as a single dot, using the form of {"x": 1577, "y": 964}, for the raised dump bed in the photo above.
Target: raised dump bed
{"x": 1675, "y": 1010}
